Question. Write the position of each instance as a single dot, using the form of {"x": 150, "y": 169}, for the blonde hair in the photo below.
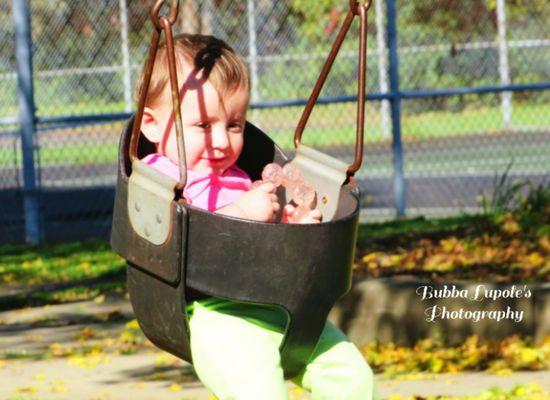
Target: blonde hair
{"x": 219, "y": 63}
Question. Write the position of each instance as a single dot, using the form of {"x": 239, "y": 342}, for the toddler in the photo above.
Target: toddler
{"x": 235, "y": 345}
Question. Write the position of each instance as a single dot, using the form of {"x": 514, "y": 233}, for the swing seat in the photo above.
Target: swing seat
{"x": 302, "y": 268}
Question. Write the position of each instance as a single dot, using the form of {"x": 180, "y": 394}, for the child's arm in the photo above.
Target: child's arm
{"x": 259, "y": 204}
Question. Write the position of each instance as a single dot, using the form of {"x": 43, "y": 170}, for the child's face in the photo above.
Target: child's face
{"x": 213, "y": 131}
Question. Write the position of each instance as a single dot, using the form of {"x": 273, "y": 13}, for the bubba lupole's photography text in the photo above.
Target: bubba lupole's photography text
{"x": 477, "y": 293}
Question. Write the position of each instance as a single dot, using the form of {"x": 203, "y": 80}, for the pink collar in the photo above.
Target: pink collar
{"x": 205, "y": 190}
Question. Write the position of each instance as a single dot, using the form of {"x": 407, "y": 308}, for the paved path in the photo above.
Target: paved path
{"x": 137, "y": 377}
{"x": 151, "y": 374}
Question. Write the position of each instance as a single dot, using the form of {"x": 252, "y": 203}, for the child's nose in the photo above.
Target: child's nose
{"x": 219, "y": 138}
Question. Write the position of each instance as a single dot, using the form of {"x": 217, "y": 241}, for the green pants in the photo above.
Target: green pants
{"x": 235, "y": 348}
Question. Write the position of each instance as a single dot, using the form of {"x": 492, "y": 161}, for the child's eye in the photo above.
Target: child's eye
{"x": 235, "y": 127}
{"x": 203, "y": 125}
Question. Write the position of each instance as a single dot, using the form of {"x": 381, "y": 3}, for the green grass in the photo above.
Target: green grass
{"x": 80, "y": 154}
{"x": 416, "y": 226}
{"x": 481, "y": 120}
{"x": 339, "y": 124}
{"x": 57, "y": 263}
{"x": 77, "y": 271}
{"x": 82, "y": 108}
{"x": 73, "y": 109}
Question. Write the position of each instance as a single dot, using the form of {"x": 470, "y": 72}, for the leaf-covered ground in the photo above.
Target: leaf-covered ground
{"x": 500, "y": 253}
{"x": 508, "y": 242}
{"x": 529, "y": 391}
{"x": 428, "y": 355}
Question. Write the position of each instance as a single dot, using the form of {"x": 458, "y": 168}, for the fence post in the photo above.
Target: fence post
{"x": 382, "y": 68}
{"x": 125, "y": 50}
{"x": 504, "y": 69}
{"x": 253, "y": 57}
{"x": 207, "y": 22}
{"x": 395, "y": 100}
{"x": 23, "y": 55}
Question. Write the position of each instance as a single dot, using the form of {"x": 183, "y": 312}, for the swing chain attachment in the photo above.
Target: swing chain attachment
{"x": 162, "y": 23}
{"x": 357, "y": 8}
{"x": 171, "y": 17}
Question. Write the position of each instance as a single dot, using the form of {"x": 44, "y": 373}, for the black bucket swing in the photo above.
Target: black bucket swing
{"x": 302, "y": 268}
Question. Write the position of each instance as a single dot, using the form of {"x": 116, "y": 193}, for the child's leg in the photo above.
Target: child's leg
{"x": 337, "y": 370}
{"x": 234, "y": 358}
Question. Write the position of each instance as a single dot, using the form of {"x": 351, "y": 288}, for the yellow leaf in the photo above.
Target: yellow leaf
{"x": 504, "y": 372}
{"x": 85, "y": 265}
{"x": 370, "y": 257}
{"x": 372, "y": 265}
{"x": 166, "y": 359}
{"x": 88, "y": 361}
{"x": 84, "y": 334}
{"x": 60, "y": 389}
{"x": 175, "y": 387}
{"x": 132, "y": 324}
{"x": 535, "y": 259}
{"x": 396, "y": 258}
{"x": 528, "y": 356}
{"x": 449, "y": 244}
{"x": 39, "y": 377}
{"x": 30, "y": 389}
{"x": 99, "y": 299}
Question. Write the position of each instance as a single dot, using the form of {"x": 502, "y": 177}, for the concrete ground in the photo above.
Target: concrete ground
{"x": 148, "y": 374}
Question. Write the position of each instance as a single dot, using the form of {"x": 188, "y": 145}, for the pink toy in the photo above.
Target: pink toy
{"x": 303, "y": 194}
{"x": 291, "y": 175}
{"x": 273, "y": 173}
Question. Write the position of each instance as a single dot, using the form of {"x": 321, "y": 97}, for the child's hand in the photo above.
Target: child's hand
{"x": 313, "y": 217}
{"x": 259, "y": 204}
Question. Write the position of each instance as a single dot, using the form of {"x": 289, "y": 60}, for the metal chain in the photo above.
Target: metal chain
{"x": 162, "y": 23}
{"x": 356, "y": 8}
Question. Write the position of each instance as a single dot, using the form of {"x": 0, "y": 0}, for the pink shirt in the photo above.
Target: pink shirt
{"x": 204, "y": 189}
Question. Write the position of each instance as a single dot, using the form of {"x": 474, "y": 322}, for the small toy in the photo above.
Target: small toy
{"x": 291, "y": 175}
{"x": 303, "y": 193}
{"x": 273, "y": 173}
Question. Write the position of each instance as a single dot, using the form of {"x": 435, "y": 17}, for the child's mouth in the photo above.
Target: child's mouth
{"x": 215, "y": 160}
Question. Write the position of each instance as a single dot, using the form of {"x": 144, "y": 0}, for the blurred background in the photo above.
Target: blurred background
{"x": 441, "y": 130}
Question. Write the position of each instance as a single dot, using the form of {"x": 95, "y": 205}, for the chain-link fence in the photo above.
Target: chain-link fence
{"x": 11, "y": 195}
{"x": 87, "y": 57}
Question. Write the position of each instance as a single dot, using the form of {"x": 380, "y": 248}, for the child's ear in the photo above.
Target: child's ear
{"x": 150, "y": 125}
